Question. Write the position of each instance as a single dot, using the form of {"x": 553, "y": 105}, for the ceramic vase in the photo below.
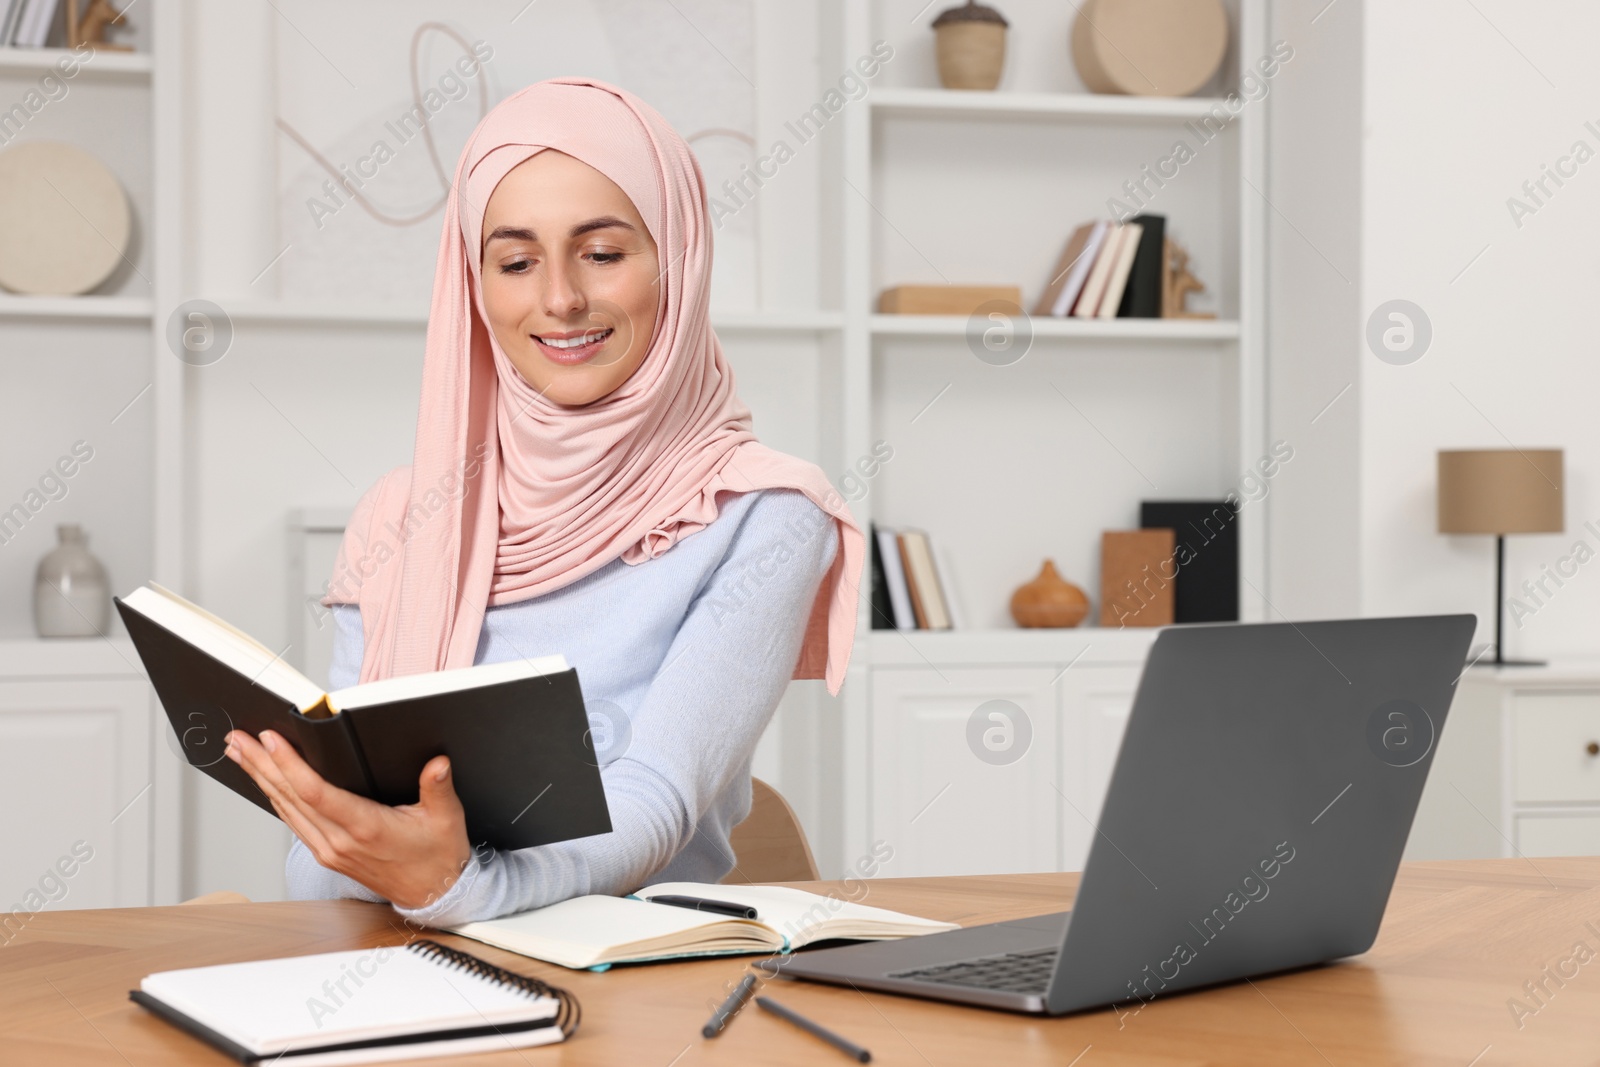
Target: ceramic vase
{"x": 71, "y": 593}
{"x": 1049, "y": 601}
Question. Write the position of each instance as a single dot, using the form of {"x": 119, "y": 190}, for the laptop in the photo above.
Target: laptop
{"x": 1254, "y": 822}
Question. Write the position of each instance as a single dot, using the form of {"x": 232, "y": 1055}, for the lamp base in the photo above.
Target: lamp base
{"x": 1515, "y": 662}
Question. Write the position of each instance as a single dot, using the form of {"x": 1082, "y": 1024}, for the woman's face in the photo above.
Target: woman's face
{"x": 570, "y": 281}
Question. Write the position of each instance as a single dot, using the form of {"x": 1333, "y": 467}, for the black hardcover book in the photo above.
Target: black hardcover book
{"x": 517, "y": 733}
{"x": 1206, "y": 555}
{"x": 1142, "y": 297}
{"x": 882, "y": 607}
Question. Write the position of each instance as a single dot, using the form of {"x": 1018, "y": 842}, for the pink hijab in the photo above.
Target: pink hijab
{"x": 510, "y": 495}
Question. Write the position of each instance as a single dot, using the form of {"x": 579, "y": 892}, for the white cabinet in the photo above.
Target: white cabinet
{"x": 1517, "y": 770}
{"x": 966, "y": 769}
{"x": 79, "y": 789}
{"x": 1095, "y": 703}
{"x": 1518, "y": 767}
{"x": 991, "y": 753}
{"x": 1555, "y": 742}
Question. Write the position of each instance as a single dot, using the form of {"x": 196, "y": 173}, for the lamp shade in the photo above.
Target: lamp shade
{"x": 1501, "y": 491}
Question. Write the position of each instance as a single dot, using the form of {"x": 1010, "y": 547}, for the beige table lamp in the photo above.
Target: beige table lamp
{"x": 1499, "y": 492}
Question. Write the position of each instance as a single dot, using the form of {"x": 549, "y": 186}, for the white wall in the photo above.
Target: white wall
{"x": 1462, "y": 104}
{"x": 1399, "y": 132}
{"x": 1313, "y": 310}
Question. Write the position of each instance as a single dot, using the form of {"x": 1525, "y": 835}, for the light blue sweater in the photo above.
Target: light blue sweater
{"x": 682, "y": 660}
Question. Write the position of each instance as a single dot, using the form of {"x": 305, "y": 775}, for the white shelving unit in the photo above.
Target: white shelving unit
{"x": 97, "y": 368}
{"x": 1025, "y": 166}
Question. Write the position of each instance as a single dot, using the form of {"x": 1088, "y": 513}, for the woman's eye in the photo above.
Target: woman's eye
{"x": 517, "y": 267}
{"x": 605, "y": 257}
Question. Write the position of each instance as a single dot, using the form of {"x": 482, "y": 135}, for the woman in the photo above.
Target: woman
{"x": 585, "y": 481}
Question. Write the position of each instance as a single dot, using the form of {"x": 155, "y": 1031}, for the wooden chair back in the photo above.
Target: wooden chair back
{"x": 770, "y": 845}
{"x": 221, "y": 896}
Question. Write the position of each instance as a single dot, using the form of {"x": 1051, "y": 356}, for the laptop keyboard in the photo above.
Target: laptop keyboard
{"x": 1014, "y": 972}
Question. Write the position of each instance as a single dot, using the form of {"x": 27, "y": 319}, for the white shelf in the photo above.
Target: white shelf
{"x": 778, "y": 322}
{"x": 132, "y": 65}
{"x": 1066, "y": 328}
{"x": 1082, "y": 646}
{"x": 290, "y": 313}
{"x": 963, "y": 102}
{"x": 69, "y": 657}
{"x": 76, "y": 307}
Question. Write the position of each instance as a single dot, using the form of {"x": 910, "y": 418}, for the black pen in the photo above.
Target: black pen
{"x": 849, "y": 1048}
{"x": 721, "y": 907}
{"x": 729, "y": 1008}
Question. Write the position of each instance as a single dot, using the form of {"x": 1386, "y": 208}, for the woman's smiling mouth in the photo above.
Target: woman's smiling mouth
{"x": 573, "y": 346}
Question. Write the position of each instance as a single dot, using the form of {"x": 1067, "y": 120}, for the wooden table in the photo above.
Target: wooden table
{"x": 1458, "y": 943}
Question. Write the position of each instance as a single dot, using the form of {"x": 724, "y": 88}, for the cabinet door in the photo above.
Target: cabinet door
{"x": 1095, "y": 702}
{"x": 1551, "y": 735}
{"x": 963, "y": 770}
{"x": 78, "y": 795}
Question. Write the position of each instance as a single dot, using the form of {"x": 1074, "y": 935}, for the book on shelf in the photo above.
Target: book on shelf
{"x": 947, "y": 583}
{"x": 881, "y": 605}
{"x": 1206, "y": 556}
{"x": 1136, "y": 571}
{"x": 516, "y": 732}
{"x": 1094, "y": 289}
{"x": 1072, "y": 269}
{"x": 909, "y": 566}
{"x": 1109, "y": 270}
{"x": 1142, "y": 298}
{"x": 32, "y": 28}
{"x": 1117, "y": 280}
{"x": 894, "y": 578}
{"x": 919, "y": 610}
{"x": 925, "y": 588}
{"x": 10, "y": 16}
{"x": 420, "y": 999}
{"x": 593, "y": 932}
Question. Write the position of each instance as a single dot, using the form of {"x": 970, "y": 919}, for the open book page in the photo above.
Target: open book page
{"x": 421, "y": 685}
{"x": 255, "y": 661}
{"x": 226, "y": 643}
{"x": 802, "y": 917}
{"x": 593, "y": 930}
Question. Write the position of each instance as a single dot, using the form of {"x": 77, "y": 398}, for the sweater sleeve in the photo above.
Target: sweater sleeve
{"x": 307, "y": 879}
{"x": 697, "y": 725}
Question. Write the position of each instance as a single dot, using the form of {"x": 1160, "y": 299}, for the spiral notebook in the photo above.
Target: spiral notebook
{"x": 417, "y": 1000}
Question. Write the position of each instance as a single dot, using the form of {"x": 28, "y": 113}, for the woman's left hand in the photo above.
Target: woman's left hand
{"x": 409, "y": 854}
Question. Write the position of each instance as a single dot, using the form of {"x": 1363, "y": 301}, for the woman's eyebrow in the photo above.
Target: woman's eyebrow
{"x": 520, "y": 233}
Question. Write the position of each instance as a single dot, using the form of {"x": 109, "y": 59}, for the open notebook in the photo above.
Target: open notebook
{"x": 596, "y": 931}
{"x": 420, "y": 999}
{"x": 515, "y": 731}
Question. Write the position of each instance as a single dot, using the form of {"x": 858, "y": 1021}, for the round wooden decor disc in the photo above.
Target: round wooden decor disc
{"x": 64, "y": 219}
{"x": 1149, "y": 47}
